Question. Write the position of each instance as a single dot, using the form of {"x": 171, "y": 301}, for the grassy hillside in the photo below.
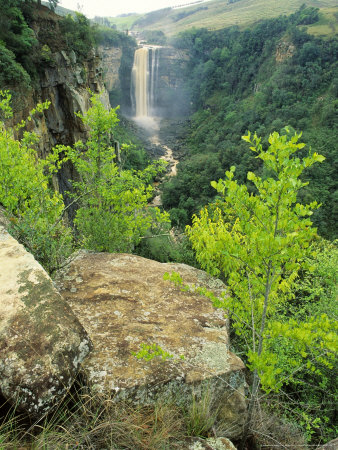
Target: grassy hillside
{"x": 219, "y": 14}
{"x": 327, "y": 24}
{"x": 124, "y": 22}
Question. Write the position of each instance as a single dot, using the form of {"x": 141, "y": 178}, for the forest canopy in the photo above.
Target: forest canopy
{"x": 263, "y": 78}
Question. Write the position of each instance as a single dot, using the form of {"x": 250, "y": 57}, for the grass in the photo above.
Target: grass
{"x": 92, "y": 421}
{"x": 124, "y": 23}
{"x": 243, "y": 13}
{"x": 327, "y": 24}
{"x": 84, "y": 420}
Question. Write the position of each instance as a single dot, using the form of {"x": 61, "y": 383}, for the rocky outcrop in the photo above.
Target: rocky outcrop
{"x": 111, "y": 61}
{"x": 63, "y": 78}
{"x": 173, "y": 66}
{"x": 64, "y": 82}
{"x": 284, "y": 50}
{"x": 123, "y": 302}
{"x": 42, "y": 344}
{"x": 211, "y": 444}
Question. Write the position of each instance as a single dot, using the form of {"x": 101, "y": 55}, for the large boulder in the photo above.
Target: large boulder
{"x": 41, "y": 341}
{"x": 123, "y": 302}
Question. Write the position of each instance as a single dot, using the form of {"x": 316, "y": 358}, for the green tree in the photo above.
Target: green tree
{"x": 78, "y": 34}
{"x": 34, "y": 207}
{"x": 113, "y": 212}
{"x": 258, "y": 242}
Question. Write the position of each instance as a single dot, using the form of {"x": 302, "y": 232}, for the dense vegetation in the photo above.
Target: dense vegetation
{"x": 16, "y": 42}
{"x": 112, "y": 211}
{"x": 263, "y": 78}
{"x": 258, "y": 243}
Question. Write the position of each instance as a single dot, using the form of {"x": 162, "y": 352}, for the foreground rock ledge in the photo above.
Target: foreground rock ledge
{"x": 123, "y": 301}
{"x": 41, "y": 342}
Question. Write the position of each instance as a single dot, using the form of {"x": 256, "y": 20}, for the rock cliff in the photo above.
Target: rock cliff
{"x": 63, "y": 78}
{"x": 172, "y": 95}
{"x": 111, "y": 61}
{"x": 64, "y": 82}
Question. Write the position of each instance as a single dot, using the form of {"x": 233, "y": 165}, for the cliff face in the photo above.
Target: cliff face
{"x": 172, "y": 95}
{"x": 64, "y": 80}
{"x": 173, "y": 67}
{"x": 65, "y": 83}
{"x": 111, "y": 61}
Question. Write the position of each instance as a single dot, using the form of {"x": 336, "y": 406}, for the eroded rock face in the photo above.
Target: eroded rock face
{"x": 123, "y": 301}
{"x": 111, "y": 61}
{"x": 42, "y": 344}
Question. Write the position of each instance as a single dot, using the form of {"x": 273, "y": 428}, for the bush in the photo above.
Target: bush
{"x": 78, "y": 34}
{"x": 35, "y": 209}
{"x": 12, "y": 74}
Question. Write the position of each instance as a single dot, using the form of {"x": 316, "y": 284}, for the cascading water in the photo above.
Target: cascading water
{"x": 144, "y": 81}
{"x": 154, "y": 79}
{"x": 144, "y": 98}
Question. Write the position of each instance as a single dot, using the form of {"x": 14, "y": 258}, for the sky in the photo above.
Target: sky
{"x": 91, "y": 8}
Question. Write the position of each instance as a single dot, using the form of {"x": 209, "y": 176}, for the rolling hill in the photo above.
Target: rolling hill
{"x": 218, "y": 14}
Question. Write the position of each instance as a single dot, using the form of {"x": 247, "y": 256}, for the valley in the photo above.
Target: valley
{"x": 168, "y": 193}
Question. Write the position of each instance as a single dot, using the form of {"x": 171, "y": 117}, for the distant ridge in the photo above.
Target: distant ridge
{"x": 183, "y": 5}
{"x": 219, "y": 14}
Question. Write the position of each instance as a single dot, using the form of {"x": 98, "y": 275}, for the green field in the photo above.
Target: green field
{"x": 220, "y": 14}
{"x": 327, "y": 24}
{"x": 123, "y": 23}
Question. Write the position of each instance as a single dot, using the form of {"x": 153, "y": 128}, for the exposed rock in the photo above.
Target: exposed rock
{"x": 63, "y": 78}
{"x": 4, "y": 220}
{"x": 111, "y": 61}
{"x": 284, "y": 51}
{"x": 64, "y": 82}
{"x": 123, "y": 301}
{"x": 42, "y": 343}
{"x": 219, "y": 443}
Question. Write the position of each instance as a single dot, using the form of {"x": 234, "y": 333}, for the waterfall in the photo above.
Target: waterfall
{"x": 144, "y": 81}
{"x": 154, "y": 79}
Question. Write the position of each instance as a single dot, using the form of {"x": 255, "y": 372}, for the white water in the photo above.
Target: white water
{"x": 144, "y": 84}
{"x": 140, "y": 82}
{"x": 145, "y": 73}
{"x": 154, "y": 78}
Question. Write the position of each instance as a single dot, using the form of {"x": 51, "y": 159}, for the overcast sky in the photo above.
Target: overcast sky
{"x": 91, "y": 8}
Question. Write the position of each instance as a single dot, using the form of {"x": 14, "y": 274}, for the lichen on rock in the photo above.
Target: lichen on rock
{"x": 42, "y": 343}
{"x": 123, "y": 302}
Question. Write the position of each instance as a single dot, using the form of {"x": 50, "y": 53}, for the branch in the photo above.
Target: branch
{"x": 68, "y": 206}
